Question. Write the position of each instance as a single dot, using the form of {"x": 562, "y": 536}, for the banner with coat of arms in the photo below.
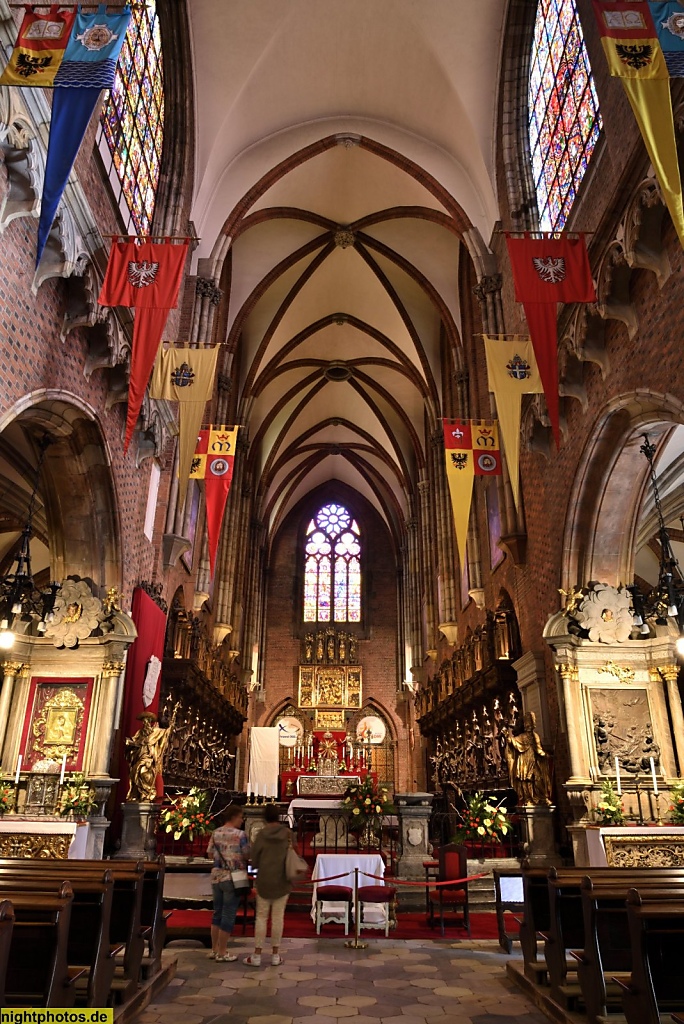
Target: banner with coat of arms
{"x": 213, "y": 463}
{"x": 548, "y": 270}
{"x": 471, "y": 449}
{"x": 76, "y": 54}
{"x": 185, "y": 375}
{"x": 513, "y": 372}
{"x": 644, "y": 46}
{"x": 145, "y": 276}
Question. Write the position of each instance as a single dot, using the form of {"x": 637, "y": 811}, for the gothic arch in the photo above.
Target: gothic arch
{"x": 76, "y": 496}
{"x": 603, "y": 510}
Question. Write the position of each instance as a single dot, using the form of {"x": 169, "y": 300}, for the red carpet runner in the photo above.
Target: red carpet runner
{"x": 298, "y": 925}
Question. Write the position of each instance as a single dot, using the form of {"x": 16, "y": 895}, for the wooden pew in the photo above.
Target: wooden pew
{"x": 153, "y": 916}
{"x": 6, "y": 926}
{"x": 125, "y": 922}
{"x": 37, "y": 969}
{"x": 656, "y": 985}
{"x": 607, "y": 952}
{"x": 566, "y": 921}
{"x": 89, "y": 929}
{"x": 535, "y": 920}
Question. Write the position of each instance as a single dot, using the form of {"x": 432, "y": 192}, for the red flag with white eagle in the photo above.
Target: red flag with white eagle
{"x": 145, "y": 276}
{"x": 548, "y": 270}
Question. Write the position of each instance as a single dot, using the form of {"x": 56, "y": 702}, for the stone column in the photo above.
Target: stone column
{"x": 139, "y": 831}
{"x": 112, "y": 672}
{"x": 539, "y": 840}
{"x": 10, "y": 669}
{"x": 414, "y": 811}
{"x": 570, "y": 678}
{"x": 670, "y": 673}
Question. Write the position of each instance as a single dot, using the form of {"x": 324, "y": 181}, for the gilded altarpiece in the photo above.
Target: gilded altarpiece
{"x": 56, "y": 722}
{"x": 329, "y": 686}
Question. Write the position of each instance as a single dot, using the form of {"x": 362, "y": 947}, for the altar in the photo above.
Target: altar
{"x": 28, "y": 838}
{"x": 639, "y": 846}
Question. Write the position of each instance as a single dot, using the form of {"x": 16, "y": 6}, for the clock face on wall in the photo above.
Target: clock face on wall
{"x": 290, "y": 731}
{"x": 371, "y": 727}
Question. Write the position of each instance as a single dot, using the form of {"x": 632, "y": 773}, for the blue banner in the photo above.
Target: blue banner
{"x": 71, "y": 113}
{"x": 93, "y": 50}
{"x": 669, "y": 22}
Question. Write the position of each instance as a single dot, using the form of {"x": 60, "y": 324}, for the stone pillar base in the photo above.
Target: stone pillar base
{"x": 414, "y": 811}
{"x": 138, "y": 835}
{"x": 539, "y": 840}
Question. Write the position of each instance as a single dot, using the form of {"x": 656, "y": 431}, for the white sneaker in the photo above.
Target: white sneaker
{"x": 276, "y": 960}
{"x": 253, "y": 960}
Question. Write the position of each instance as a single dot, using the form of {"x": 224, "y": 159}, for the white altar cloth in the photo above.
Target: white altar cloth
{"x": 76, "y": 829}
{"x": 311, "y": 803}
{"x": 596, "y": 848}
{"x": 329, "y": 864}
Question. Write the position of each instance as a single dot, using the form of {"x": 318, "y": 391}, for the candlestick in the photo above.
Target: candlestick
{"x": 61, "y": 774}
{"x": 638, "y": 796}
{"x": 18, "y": 772}
{"x": 653, "y": 776}
{"x": 617, "y": 776}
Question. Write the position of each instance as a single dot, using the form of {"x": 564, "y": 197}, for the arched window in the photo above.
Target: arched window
{"x": 132, "y": 121}
{"x": 332, "y": 567}
{"x": 564, "y": 117}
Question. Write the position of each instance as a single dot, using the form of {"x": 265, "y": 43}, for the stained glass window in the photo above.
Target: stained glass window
{"x": 332, "y": 567}
{"x": 132, "y": 121}
{"x": 564, "y": 117}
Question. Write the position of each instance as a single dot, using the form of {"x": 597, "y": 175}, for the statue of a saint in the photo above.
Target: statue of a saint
{"x": 528, "y": 765}
{"x": 144, "y": 754}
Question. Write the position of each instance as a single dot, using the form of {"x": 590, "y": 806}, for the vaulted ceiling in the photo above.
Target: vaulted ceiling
{"x": 344, "y": 156}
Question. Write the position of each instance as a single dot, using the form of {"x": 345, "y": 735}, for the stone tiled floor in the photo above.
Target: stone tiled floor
{"x": 321, "y": 982}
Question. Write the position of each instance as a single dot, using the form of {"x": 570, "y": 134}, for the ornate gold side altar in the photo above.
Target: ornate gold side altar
{"x": 59, "y": 705}
{"x": 635, "y": 847}
{"x": 33, "y": 838}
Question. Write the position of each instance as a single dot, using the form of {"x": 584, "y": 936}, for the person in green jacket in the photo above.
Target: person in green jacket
{"x": 268, "y": 854}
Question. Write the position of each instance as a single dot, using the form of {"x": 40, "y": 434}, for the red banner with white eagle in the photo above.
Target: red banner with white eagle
{"x": 145, "y": 276}
{"x": 546, "y": 271}
{"x": 213, "y": 463}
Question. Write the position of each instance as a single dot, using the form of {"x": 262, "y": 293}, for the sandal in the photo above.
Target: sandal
{"x": 229, "y": 958}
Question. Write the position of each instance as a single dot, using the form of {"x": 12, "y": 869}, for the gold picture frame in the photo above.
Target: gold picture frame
{"x": 60, "y": 727}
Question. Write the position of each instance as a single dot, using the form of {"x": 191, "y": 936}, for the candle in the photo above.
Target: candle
{"x": 61, "y": 774}
{"x": 617, "y": 776}
{"x": 653, "y": 774}
{"x": 16, "y": 777}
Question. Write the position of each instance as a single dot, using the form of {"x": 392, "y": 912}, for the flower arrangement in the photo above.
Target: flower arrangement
{"x": 481, "y": 821}
{"x": 365, "y": 803}
{"x": 677, "y": 805}
{"x": 6, "y": 798}
{"x": 188, "y": 816}
{"x": 609, "y": 810}
{"x": 78, "y": 798}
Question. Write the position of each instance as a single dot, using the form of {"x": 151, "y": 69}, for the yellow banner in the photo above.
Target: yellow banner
{"x": 512, "y": 371}
{"x": 635, "y": 58}
{"x": 652, "y": 105}
{"x": 185, "y": 375}
{"x": 460, "y": 473}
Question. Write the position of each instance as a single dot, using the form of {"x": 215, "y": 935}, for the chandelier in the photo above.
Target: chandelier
{"x": 20, "y": 598}
{"x": 666, "y": 599}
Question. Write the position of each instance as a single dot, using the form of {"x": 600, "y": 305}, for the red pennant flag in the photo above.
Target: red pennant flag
{"x": 547, "y": 271}
{"x": 213, "y": 463}
{"x": 145, "y": 277}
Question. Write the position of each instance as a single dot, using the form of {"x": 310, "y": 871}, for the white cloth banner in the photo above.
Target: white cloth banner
{"x": 264, "y": 761}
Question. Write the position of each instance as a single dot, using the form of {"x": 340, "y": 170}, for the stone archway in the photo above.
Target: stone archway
{"x": 77, "y": 519}
{"x": 604, "y": 509}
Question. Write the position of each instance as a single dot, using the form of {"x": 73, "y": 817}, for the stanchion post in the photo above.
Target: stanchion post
{"x": 355, "y": 943}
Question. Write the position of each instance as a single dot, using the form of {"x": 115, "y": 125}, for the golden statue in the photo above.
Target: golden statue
{"x": 145, "y": 754}
{"x": 528, "y": 765}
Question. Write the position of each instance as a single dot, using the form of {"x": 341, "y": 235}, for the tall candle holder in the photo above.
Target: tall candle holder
{"x": 637, "y": 787}
{"x": 659, "y": 820}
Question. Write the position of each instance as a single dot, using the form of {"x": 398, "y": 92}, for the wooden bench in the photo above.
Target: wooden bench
{"x": 37, "y": 970}
{"x": 508, "y": 890}
{"x": 126, "y": 929}
{"x": 535, "y": 920}
{"x": 6, "y": 926}
{"x": 607, "y": 952}
{"x": 566, "y": 920}
{"x": 656, "y": 985}
{"x": 153, "y": 917}
{"x": 89, "y": 928}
